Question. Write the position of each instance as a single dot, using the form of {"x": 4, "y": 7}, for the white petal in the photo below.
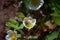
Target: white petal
{"x": 16, "y": 33}
{"x": 7, "y": 37}
{"x": 9, "y": 32}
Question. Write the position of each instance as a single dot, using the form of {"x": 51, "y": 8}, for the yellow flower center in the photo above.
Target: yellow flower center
{"x": 30, "y": 24}
{"x": 35, "y": 2}
{"x": 13, "y": 36}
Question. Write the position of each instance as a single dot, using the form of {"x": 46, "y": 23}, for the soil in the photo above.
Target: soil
{"x": 7, "y": 10}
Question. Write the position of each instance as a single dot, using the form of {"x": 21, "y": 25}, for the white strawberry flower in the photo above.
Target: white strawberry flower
{"x": 36, "y": 7}
{"x": 11, "y": 35}
{"x": 29, "y": 22}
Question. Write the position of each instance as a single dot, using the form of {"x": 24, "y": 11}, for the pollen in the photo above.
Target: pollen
{"x": 13, "y": 36}
{"x": 30, "y": 24}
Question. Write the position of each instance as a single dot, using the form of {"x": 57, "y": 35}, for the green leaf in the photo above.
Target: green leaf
{"x": 13, "y": 21}
{"x": 7, "y": 24}
{"x": 47, "y": 23}
{"x": 18, "y": 35}
{"x": 11, "y": 25}
{"x": 27, "y": 2}
{"x": 21, "y": 15}
{"x": 56, "y": 13}
{"x": 14, "y": 24}
{"x": 21, "y": 26}
{"x": 33, "y": 39}
{"x": 52, "y": 36}
{"x": 56, "y": 20}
